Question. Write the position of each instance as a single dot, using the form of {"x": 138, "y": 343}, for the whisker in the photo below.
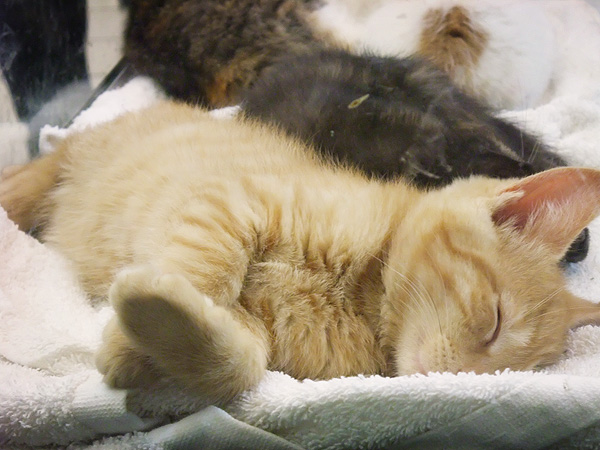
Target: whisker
{"x": 542, "y": 302}
{"x": 547, "y": 313}
{"x": 441, "y": 278}
{"x": 421, "y": 297}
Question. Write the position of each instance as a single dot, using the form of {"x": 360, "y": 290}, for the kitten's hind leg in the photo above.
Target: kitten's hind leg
{"x": 24, "y": 188}
{"x": 200, "y": 344}
{"x": 122, "y": 365}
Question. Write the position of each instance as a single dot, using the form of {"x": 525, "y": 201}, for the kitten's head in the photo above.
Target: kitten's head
{"x": 473, "y": 281}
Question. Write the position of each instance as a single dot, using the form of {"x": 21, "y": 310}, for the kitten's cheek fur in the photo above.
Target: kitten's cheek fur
{"x": 194, "y": 341}
{"x": 407, "y": 358}
{"x": 425, "y": 352}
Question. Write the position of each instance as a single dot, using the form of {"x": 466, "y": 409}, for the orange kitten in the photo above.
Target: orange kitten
{"x": 228, "y": 249}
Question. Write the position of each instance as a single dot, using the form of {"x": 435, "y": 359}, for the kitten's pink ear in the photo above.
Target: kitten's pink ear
{"x": 552, "y": 207}
{"x": 582, "y": 312}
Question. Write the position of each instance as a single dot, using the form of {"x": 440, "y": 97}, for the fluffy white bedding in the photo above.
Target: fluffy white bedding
{"x": 50, "y": 392}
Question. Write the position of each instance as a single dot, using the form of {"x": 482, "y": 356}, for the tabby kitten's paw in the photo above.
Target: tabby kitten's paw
{"x": 122, "y": 365}
{"x": 187, "y": 336}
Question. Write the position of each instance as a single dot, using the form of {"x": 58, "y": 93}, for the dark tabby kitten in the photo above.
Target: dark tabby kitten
{"x": 387, "y": 116}
{"x": 393, "y": 117}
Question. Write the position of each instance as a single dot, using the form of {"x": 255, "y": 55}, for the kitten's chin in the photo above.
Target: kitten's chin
{"x": 410, "y": 363}
{"x": 408, "y": 358}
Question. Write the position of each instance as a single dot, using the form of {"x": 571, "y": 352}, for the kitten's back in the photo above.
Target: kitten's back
{"x": 150, "y": 166}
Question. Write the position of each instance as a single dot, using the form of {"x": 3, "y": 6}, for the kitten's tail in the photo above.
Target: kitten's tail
{"x": 24, "y": 190}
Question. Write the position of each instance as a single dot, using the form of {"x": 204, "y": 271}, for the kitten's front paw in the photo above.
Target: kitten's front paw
{"x": 121, "y": 364}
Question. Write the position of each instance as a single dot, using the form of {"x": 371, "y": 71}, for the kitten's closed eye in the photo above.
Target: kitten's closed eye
{"x": 492, "y": 336}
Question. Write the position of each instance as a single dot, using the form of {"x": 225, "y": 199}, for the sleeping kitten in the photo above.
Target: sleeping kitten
{"x": 391, "y": 117}
{"x": 228, "y": 248}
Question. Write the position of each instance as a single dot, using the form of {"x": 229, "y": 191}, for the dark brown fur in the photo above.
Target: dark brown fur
{"x": 205, "y": 51}
{"x": 393, "y": 117}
